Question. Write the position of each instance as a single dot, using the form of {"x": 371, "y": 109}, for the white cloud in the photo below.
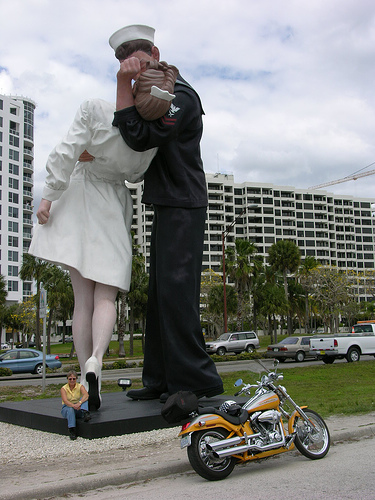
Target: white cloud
{"x": 287, "y": 86}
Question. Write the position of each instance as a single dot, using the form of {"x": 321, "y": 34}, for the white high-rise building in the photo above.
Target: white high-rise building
{"x": 338, "y": 230}
{"x": 16, "y": 190}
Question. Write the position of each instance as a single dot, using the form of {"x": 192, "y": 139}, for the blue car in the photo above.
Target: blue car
{"x": 27, "y": 361}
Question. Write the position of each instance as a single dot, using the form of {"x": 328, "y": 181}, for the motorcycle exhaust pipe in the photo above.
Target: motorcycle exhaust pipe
{"x": 226, "y": 443}
{"x": 236, "y": 450}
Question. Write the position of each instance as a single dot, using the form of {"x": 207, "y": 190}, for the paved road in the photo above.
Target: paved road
{"x": 336, "y": 477}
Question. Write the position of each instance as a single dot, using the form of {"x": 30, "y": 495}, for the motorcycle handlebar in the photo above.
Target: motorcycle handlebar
{"x": 245, "y": 388}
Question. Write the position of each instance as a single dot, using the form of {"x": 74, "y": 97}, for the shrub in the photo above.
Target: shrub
{"x": 237, "y": 357}
{"x": 67, "y": 368}
{"x": 119, "y": 365}
{"x": 5, "y": 372}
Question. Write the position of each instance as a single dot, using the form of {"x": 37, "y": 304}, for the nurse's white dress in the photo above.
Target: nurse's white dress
{"x": 92, "y": 209}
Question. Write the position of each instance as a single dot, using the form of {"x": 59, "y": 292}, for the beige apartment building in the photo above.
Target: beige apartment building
{"x": 335, "y": 229}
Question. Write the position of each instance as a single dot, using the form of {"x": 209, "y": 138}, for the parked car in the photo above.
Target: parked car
{"x": 5, "y": 346}
{"x": 297, "y": 348}
{"x": 233, "y": 342}
{"x": 27, "y": 361}
{"x": 20, "y": 345}
{"x": 67, "y": 339}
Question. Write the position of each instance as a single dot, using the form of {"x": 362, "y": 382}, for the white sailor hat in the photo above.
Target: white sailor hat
{"x": 130, "y": 33}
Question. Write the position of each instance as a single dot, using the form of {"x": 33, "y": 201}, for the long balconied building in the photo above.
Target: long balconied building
{"x": 335, "y": 229}
{"x": 16, "y": 190}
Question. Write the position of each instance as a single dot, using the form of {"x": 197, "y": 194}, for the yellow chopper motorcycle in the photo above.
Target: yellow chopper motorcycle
{"x": 269, "y": 423}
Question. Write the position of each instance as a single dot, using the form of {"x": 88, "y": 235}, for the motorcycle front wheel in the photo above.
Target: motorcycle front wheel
{"x": 312, "y": 436}
{"x": 203, "y": 461}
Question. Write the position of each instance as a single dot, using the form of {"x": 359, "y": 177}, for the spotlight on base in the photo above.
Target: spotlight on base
{"x": 124, "y": 383}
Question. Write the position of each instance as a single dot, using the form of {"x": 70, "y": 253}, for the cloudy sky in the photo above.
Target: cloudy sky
{"x": 287, "y": 85}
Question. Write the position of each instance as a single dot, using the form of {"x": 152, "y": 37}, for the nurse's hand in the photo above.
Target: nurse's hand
{"x": 43, "y": 211}
{"x": 85, "y": 156}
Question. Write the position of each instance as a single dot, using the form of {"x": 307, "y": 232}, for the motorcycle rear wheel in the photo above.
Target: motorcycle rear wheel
{"x": 203, "y": 461}
{"x": 312, "y": 438}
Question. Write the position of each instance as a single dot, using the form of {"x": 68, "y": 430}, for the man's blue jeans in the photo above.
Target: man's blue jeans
{"x": 71, "y": 414}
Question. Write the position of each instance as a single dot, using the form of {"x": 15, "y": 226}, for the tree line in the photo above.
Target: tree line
{"x": 285, "y": 293}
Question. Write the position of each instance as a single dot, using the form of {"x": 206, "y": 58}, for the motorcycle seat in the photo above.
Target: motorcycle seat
{"x": 235, "y": 420}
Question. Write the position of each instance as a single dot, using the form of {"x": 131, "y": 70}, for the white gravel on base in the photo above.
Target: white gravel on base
{"x": 19, "y": 444}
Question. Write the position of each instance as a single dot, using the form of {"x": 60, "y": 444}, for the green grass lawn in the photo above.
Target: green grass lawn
{"x": 64, "y": 349}
{"x": 340, "y": 388}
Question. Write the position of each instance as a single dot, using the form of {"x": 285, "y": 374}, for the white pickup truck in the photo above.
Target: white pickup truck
{"x": 345, "y": 345}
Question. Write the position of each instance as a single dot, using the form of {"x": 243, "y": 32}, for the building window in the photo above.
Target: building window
{"x": 13, "y": 197}
{"x": 13, "y": 212}
{"x": 12, "y": 241}
{"x": 13, "y": 226}
{"x": 14, "y": 155}
{"x": 12, "y": 270}
{"x": 14, "y": 141}
{"x": 14, "y": 169}
{"x": 12, "y": 256}
{"x": 12, "y": 286}
{"x": 27, "y": 289}
{"x": 13, "y": 183}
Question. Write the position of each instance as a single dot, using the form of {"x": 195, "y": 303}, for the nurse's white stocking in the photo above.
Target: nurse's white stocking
{"x": 103, "y": 319}
{"x": 82, "y": 318}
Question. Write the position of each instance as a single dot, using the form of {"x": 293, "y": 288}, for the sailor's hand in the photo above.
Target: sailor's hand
{"x": 43, "y": 211}
{"x": 129, "y": 70}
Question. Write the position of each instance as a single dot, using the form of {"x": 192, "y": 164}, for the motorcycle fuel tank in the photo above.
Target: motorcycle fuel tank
{"x": 262, "y": 402}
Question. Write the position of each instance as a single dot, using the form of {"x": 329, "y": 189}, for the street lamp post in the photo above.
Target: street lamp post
{"x": 224, "y": 234}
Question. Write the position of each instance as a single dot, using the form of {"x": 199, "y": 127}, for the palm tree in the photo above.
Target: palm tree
{"x": 3, "y": 290}
{"x": 240, "y": 269}
{"x": 65, "y": 307}
{"x": 137, "y": 296}
{"x": 136, "y": 299}
{"x": 258, "y": 280}
{"x": 297, "y": 301}
{"x": 12, "y": 320}
{"x": 216, "y": 303}
{"x": 32, "y": 269}
{"x": 284, "y": 256}
{"x": 272, "y": 300}
{"x": 308, "y": 264}
{"x": 3, "y": 296}
{"x": 121, "y": 298}
{"x": 59, "y": 296}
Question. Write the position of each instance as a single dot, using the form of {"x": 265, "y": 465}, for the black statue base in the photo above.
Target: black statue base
{"x": 118, "y": 415}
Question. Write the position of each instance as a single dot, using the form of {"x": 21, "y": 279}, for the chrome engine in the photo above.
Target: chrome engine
{"x": 267, "y": 424}
{"x": 268, "y": 434}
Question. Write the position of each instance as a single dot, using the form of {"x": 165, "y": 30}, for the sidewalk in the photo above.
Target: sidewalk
{"x": 37, "y": 464}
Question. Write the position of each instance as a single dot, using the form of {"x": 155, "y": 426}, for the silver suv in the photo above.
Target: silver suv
{"x": 233, "y": 342}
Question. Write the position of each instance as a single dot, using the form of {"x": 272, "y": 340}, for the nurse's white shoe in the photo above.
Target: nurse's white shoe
{"x": 93, "y": 378}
